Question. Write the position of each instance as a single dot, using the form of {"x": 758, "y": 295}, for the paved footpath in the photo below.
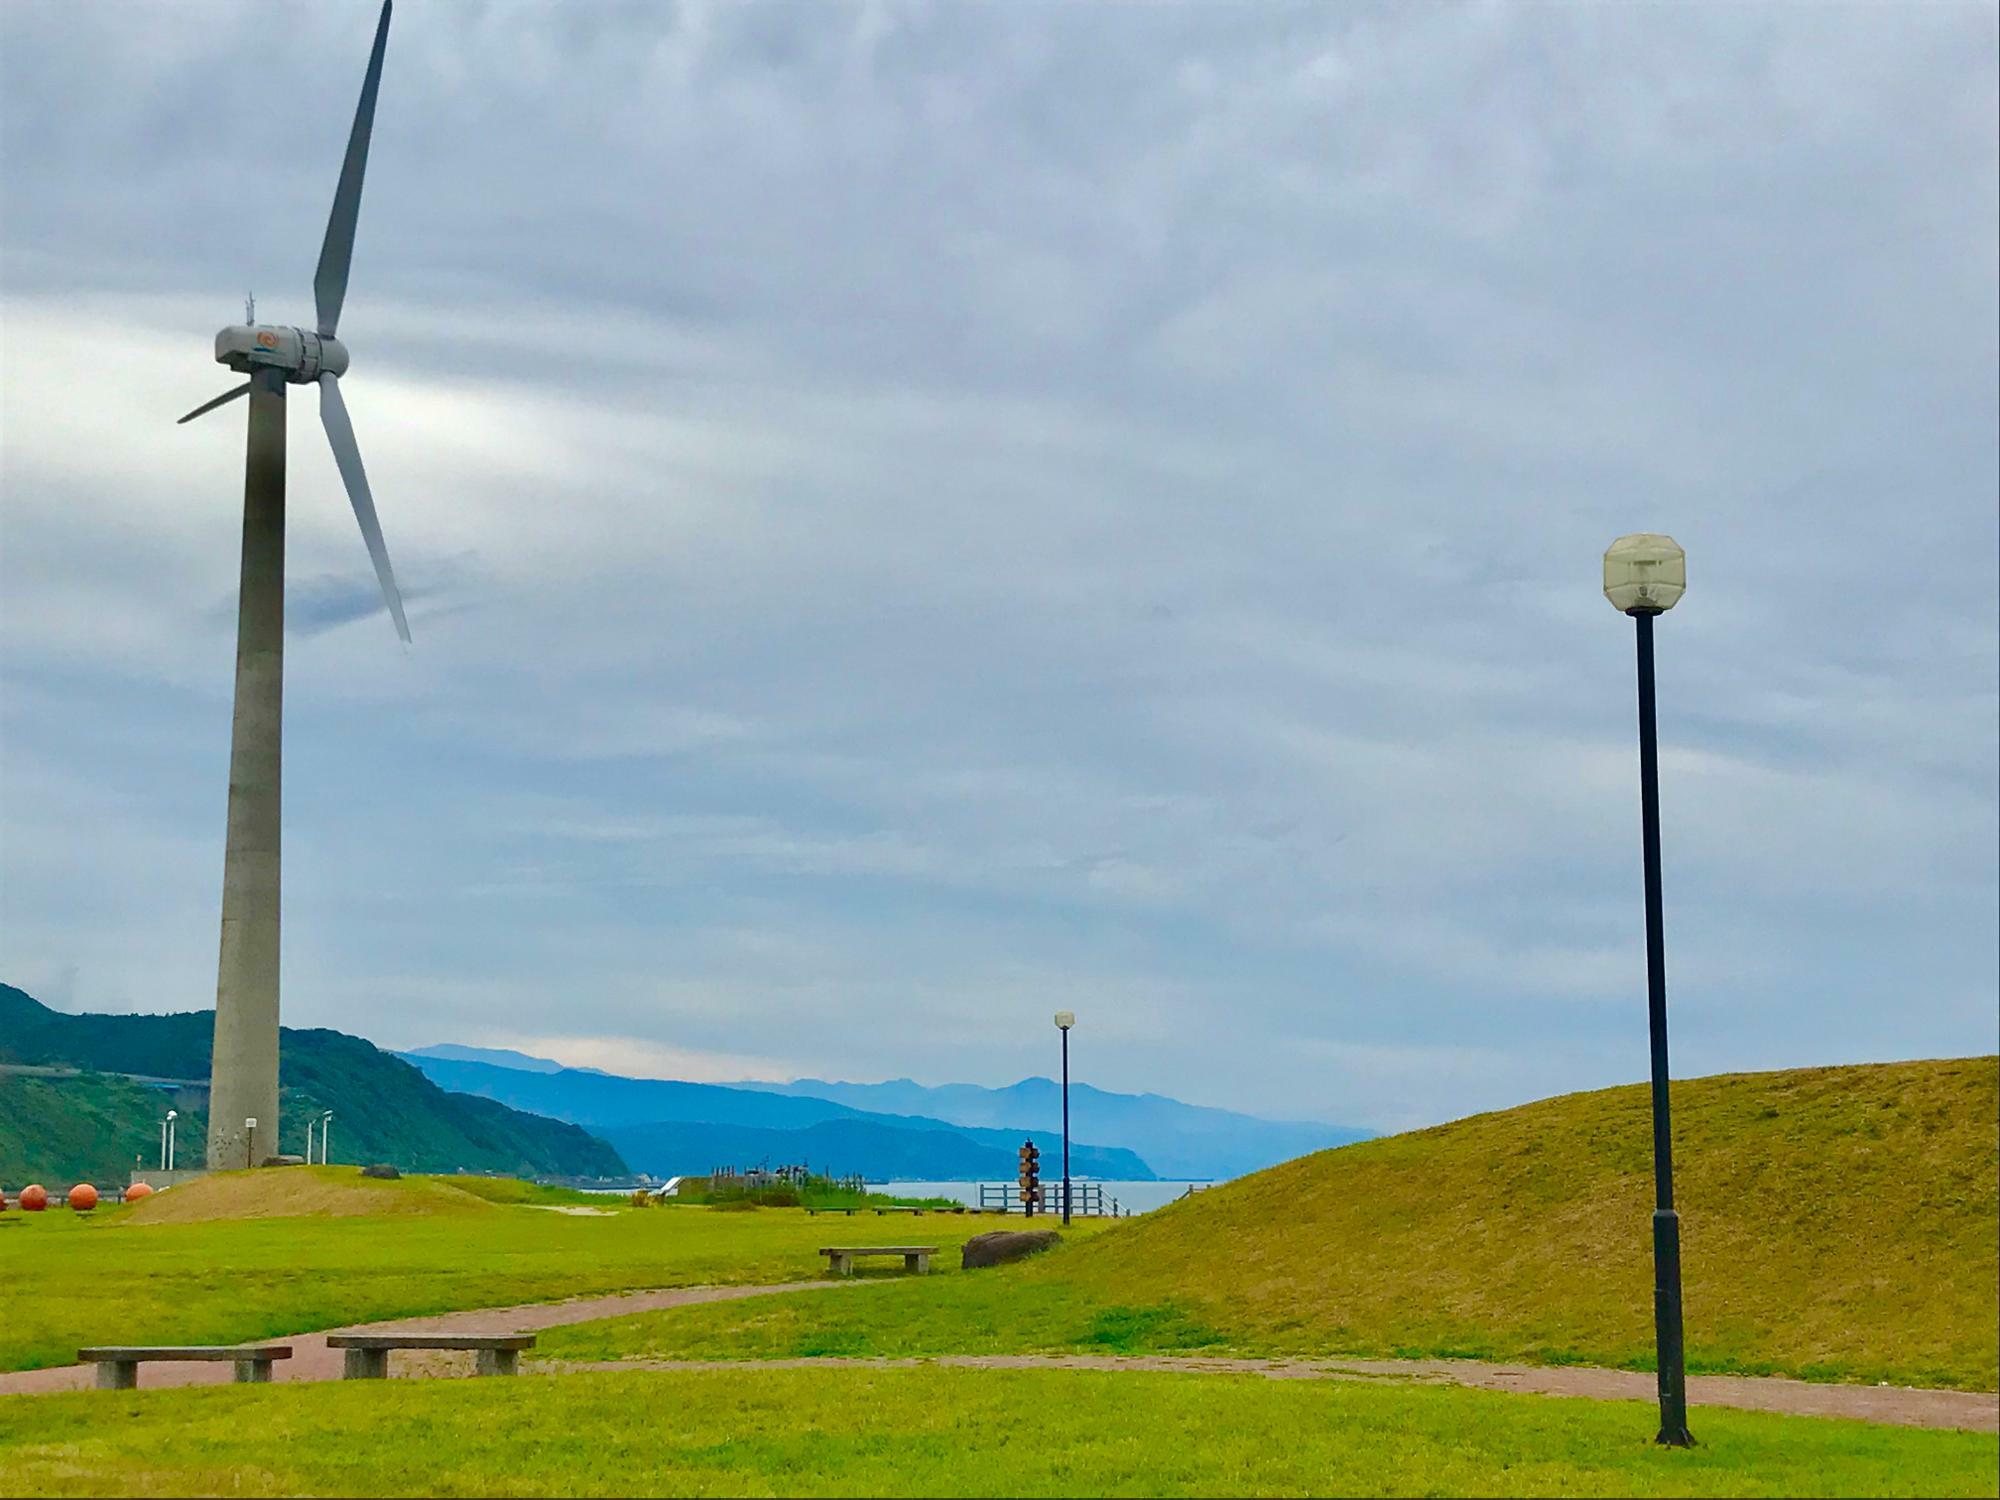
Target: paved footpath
{"x": 312, "y": 1360}
{"x": 1977, "y": 1411}
{"x": 1903, "y": 1406}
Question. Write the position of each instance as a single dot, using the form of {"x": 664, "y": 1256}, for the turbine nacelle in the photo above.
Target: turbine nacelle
{"x": 300, "y": 353}
{"x": 315, "y": 357}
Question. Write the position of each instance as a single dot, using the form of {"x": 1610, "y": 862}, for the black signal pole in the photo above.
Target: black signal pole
{"x": 1065, "y": 1051}
{"x": 1666, "y": 1222}
{"x": 1064, "y": 1020}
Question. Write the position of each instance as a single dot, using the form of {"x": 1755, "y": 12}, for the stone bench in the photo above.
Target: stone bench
{"x": 118, "y": 1367}
{"x": 367, "y": 1355}
{"x": 917, "y": 1258}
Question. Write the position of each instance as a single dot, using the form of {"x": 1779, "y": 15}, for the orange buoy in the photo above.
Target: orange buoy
{"x": 137, "y": 1191}
{"x": 34, "y": 1198}
{"x": 83, "y": 1197}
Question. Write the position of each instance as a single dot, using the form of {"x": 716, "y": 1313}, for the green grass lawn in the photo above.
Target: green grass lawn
{"x": 67, "y": 1280}
{"x": 1839, "y": 1224}
{"x": 939, "y": 1432}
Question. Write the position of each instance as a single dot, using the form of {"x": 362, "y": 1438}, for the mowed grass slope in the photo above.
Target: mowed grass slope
{"x": 332, "y": 1192}
{"x": 250, "y": 1255}
{"x": 924, "y": 1432}
{"x": 1838, "y": 1223}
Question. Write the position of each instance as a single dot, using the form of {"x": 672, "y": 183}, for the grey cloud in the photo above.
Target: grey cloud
{"x": 932, "y": 509}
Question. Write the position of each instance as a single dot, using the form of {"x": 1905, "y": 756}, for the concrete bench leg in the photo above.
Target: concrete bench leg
{"x": 920, "y": 1264}
{"x": 365, "y": 1364}
{"x": 842, "y": 1265}
{"x": 253, "y": 1372}
{"x": 498, "y": 1362}
{"x": 118, "y": 1375}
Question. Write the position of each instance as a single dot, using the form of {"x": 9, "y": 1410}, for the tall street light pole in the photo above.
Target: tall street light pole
{"x": 1644, "y": 577}
{"x": 1064, "y": 1020}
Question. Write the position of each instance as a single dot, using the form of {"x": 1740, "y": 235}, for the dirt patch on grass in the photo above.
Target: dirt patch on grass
{"x": 300, "y": 1192}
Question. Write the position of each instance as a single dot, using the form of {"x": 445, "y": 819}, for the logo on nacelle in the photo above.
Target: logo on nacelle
{"x": 267, "y": 340}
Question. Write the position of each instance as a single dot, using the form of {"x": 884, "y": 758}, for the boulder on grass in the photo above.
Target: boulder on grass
{"x": 380, "y": 1169}
{"x": 1002, "y": 1245}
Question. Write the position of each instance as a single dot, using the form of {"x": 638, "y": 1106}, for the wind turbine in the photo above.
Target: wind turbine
{"x": 244, "y": 1080}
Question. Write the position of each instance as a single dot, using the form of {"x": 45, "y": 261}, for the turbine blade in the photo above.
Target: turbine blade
{"x": 340, "y": 433}
{"x": 330, "y": 280}
{"x": 223, "y": 400}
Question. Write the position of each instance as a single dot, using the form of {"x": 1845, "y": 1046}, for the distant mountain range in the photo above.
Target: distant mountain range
{"x": 664, "y": 1126}
{"x": 82, "y": 1096}
{"x": 499, "y": 1057}
{"x": 653, "y": 1120}
{"x": 1177, "y": 1140}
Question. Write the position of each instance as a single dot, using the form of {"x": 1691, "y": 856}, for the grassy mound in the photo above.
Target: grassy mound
{"x": 300, "y": 1192}
{"x": 1838, "y": 1223}
{"x": 514, "y": 1192}
{"x": 1833, "y": 1219}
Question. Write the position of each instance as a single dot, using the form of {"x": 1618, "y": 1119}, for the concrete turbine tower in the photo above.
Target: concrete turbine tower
{"x": 243, "y": 1097}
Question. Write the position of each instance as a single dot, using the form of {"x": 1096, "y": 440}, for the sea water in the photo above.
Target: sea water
{"x": 1132, "y": 1197}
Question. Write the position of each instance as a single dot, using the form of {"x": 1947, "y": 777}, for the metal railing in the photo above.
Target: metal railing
{"x": 1085, "y": 1198}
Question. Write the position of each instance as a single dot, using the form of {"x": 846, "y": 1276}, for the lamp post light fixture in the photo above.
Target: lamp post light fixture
{"x": 167, "y": 1141}
{"x": 1064, "y": 1020}
{"x": 1644, "y": 577}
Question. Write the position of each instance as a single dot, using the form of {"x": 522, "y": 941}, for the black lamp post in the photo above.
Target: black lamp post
{"x": 1644, "y": 577}
{"x": 1064, "y": 1020}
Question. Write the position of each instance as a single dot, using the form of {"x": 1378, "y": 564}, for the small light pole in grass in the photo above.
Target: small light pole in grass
{"x": 1644, "y": 577}
{"x": 318, "y": 1124}
{"x": 1064, "y": 1020}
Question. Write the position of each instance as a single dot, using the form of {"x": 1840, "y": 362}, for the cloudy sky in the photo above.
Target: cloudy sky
{"x": 920, "y": 515}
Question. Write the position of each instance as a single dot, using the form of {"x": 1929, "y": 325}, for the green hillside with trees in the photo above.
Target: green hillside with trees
{"x": 68, "y": 1113}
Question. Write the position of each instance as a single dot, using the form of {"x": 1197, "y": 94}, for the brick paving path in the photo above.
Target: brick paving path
{"x": 1902, "y": 1406}
{"x": 312, "y": 1360}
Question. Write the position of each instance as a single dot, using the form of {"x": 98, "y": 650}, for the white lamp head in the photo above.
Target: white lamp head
{"x": 1645, "y": 573}
{"x": 172, "y": 1114}
{"x": 1065, "y": 1019}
